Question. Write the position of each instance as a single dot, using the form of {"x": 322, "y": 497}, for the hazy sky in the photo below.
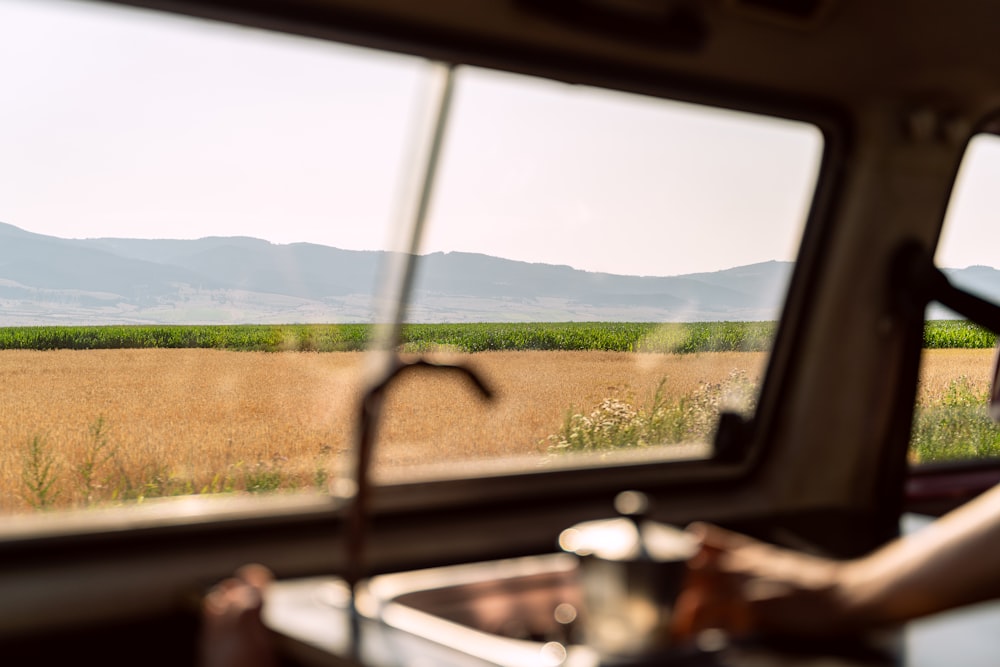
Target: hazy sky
{"x": 122, "y": 122}
{"x": 972, "y": 230}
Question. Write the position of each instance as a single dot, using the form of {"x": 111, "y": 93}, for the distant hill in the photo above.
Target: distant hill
{"x": 48, "y": 280}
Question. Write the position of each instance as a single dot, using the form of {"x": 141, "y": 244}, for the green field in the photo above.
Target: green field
{"x": 477, "y": 337}
{"x": 957, "y": 334}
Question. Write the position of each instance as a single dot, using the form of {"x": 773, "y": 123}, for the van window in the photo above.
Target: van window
{"x": 215, "y": 198}
{"x": 196, "y": 221}
{"x": 952, "y": 421}
{"x": 613, "y": 264}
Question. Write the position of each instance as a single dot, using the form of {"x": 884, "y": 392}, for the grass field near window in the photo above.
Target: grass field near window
{"x": 107, "y": 426}
{"x": 85, "y": 427}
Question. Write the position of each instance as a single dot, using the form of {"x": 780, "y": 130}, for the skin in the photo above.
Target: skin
{"x": 232, "y": 632}
{"x": 746, "y": 587}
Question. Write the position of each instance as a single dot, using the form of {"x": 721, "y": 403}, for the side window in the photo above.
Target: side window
{"x": 192, "y": 219}
{"x": 195, "y": 218}
{"x": 612, "y": 263}
{"x": 952, "y": 421}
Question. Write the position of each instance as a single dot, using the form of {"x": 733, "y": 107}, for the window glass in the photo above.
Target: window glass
{"x": 952, "y": 421}
{"x": 193, "y": 219}
{"x": 612, "y": 263}
{"x": 160, "y": 170}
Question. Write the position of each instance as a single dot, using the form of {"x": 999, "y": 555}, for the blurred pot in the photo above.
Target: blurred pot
{"x": 631, "y": 570}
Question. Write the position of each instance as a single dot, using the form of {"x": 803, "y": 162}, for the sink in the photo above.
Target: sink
{"x": 518, "y": 612}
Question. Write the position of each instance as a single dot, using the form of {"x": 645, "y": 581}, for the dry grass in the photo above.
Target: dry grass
{"x": 184, "y": 419}
{"x": 206, "y": 420}
{"x": 953, "y": 422}
{"x": 439, "y": 419}
{"x": 939, "y": 368}
{"x": 181, "y": 421}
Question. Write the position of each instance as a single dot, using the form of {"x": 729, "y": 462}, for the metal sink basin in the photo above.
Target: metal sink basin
{"x": 518, "y": 613}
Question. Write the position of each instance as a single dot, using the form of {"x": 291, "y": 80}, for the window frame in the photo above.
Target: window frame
{"x": 938, "y": 487}
{"x": 424, "y": 523}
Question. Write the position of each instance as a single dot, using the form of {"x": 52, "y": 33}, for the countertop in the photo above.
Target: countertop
{"x": 312, "y": 620}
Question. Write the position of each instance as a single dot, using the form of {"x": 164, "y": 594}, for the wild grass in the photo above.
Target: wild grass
{"x": 955, "y": 425}
{"x": 39, "y": 474}
{"x": 616, "y": 424}
{"x": 952, "y": 420}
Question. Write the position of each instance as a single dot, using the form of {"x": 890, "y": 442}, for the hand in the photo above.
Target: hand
{"x": 745, "y": 587}
{"x": 232, "y": 632}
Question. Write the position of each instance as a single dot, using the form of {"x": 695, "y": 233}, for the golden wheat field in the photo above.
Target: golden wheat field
{"x": 114, "y": 425}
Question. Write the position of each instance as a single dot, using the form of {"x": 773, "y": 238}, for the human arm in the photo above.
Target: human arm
{"x": 748, "y": 587}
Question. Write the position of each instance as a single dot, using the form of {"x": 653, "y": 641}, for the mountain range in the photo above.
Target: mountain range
{"x": 221, "y": 280}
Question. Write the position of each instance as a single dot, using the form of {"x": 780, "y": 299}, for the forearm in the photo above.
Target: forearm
{"x": 950, "y": 563}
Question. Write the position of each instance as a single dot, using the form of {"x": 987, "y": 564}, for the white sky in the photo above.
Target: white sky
{"x": 971, "y": 231}
{"x": 122, "y": 122}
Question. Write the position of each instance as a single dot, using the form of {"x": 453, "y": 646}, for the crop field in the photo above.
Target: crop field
{"x": 681, "y": 337}
{"x": 957, "y": 334}
{"x": 478, "y": 337}
{"x": 93, "y": 427}
{"x": 87, "y": 427}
